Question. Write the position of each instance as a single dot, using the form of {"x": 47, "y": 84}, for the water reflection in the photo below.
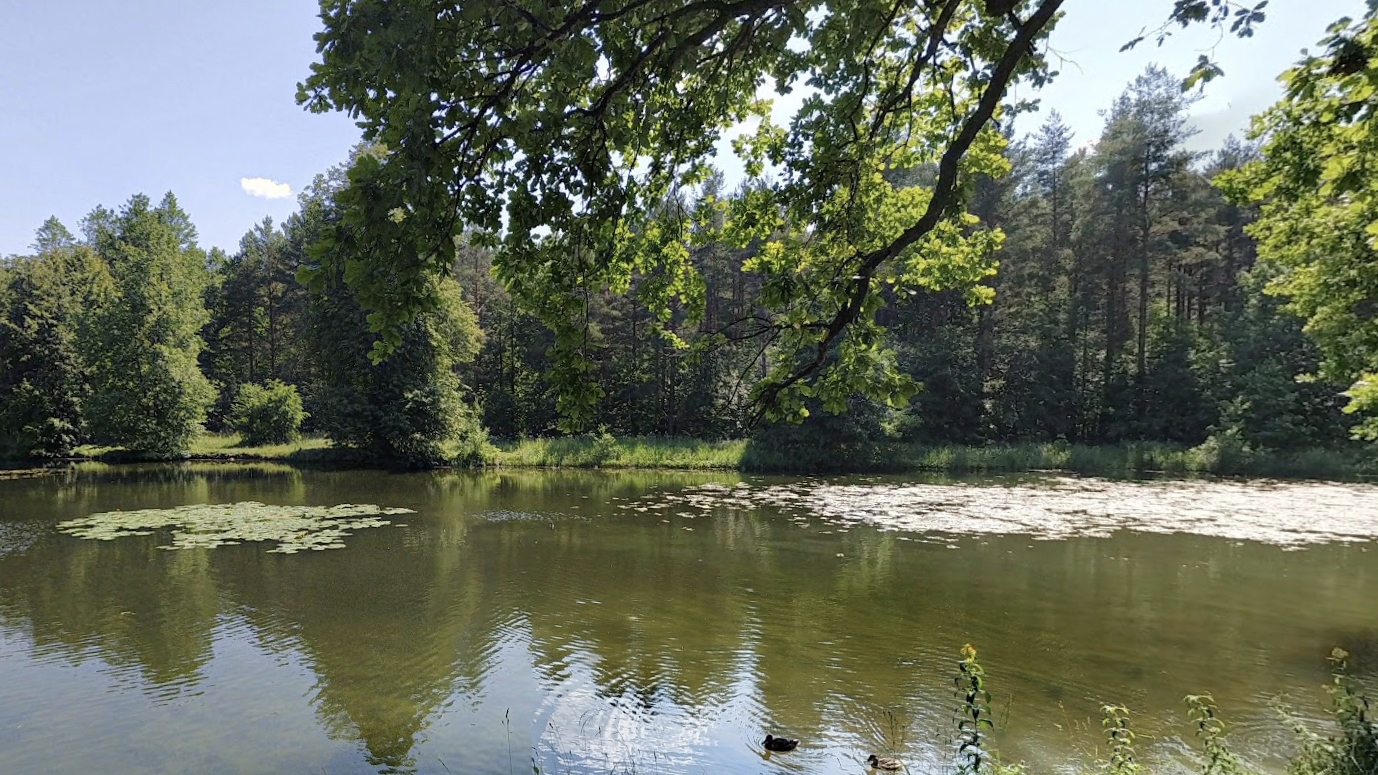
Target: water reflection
{"x": 592, "y": 622}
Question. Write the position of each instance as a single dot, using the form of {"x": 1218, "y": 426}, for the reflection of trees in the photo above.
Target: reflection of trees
{"x": 843, "y": 635}
{"x": 87, "y": 488}
{"x": 622, "y": 603}
{"x": 393, "y": 628}
{"x": 122, "y": 601}
{"x": 661, "y": 613}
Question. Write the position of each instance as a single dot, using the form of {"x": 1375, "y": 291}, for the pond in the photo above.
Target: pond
{"x": 609, "y": 622}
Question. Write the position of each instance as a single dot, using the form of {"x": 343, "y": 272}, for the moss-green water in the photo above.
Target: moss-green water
{"x": 663, "y": 621}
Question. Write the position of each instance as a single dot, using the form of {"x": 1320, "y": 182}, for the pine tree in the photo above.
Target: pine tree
{"x": 42, "y": 378}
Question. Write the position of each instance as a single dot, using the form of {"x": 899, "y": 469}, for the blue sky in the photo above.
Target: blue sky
{"x": 101, "y": 100}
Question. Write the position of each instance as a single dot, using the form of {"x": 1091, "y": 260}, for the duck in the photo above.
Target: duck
{"x": 882, "y": 763}
{"x": 773, "y": 743}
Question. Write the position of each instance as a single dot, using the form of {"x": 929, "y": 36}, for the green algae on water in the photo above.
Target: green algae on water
{"x": 294, "y": 528}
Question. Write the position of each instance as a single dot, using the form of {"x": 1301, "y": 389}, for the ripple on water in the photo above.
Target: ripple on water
{"x": 18, "y": 537}
{"x": 1288, "y": 514}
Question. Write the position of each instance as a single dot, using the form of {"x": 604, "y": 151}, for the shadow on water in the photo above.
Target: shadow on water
{"x": 618, "y": 621}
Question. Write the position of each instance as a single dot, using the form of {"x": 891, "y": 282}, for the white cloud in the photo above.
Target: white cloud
{"x": 265, "y": 187}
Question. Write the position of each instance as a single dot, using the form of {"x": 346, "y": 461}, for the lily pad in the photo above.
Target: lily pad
{"x": 294, "y": 528}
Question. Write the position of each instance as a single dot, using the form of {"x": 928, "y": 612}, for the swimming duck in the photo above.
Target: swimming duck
{"x": 882, "y": 763}
{"x": 780, "y": 743}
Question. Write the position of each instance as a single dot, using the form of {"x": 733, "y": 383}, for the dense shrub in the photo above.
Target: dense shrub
{"x": 825, "y": 442}
{"x": 267, "y": 414}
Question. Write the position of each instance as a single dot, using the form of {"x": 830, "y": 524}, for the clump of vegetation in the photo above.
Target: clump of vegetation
{"x": 43, "y": 382}
{"x": 607, "y": 451}
{"x": 410, "y": 410}
{"x": 825, "y": 443}
{"x": 267, "y": 414}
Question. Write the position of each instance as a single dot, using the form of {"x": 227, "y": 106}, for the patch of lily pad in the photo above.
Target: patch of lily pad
{"x": 294, "y": 528}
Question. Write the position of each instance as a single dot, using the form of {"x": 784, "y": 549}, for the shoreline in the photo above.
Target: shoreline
{"x": 684, "y": 454}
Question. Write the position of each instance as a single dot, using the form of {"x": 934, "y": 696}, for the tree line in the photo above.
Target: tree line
{"x": 1126, "y": 302}
{"x": 132, "y": 336}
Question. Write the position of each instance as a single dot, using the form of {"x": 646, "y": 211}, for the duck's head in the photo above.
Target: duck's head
{"x": 872, "y": 760}
{"x": 769, "y": 739}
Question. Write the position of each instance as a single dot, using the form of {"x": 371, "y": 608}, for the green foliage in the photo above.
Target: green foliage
{"x": 1121, "y": 758}
{"x": 410, "y": 409}
{"x": 1350, "y": 748}
{"x": 569, "y": 145}
{"x": 141, "y": 349}
{"x": 1353, "y": 748}
{"x": 231, "y": 446}
{"x": 1363, "y": 399}
{"x": 1239, "y": 18}
{"x": 974, "y": 716}
{"x": 267, "y": 414}
{"x": 1317, "y": 203}
{"x": 256, "y": 307}
{"x": 1210, "y": 730}
{"x": 607, "y": 280}
{"x": 589, "y": 451}
{"x": 42, "y": 378}
{"x": 1218, "y": 455}
{"x": 854, "y": 440}
{"x": 558, "y": 131}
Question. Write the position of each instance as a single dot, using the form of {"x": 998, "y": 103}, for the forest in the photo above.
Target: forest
{"x": 1127, "y": 291}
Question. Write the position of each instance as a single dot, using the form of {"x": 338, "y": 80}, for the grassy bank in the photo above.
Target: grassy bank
{"x": 1215, "y": 458}
{"x": 226, "y": 447}
{"x": 1212, "y": 458}
{"x": 821, "y": 457}
{"x": 608, "y": 452}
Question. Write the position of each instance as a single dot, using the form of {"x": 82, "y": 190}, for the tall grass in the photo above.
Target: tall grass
{"x": 605, "y": 451}
{"x": 1213, "y": 457}
{"x": 819, "y": 456}
{"x": 227, "y": 446}
{"x": 230, "y": 445}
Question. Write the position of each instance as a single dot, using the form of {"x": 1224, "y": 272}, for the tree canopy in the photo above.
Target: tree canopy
{"x": 141, "y": 348}
{"x": 1318, "y": 205}
{"x": 567, "y": 134}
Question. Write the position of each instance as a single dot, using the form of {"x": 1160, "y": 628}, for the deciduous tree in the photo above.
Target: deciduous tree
{"x": 559, "y": 128}
{"x": 141, "y": 350}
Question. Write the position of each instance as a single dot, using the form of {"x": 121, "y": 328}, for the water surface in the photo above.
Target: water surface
{"x": 599, "y": 622}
